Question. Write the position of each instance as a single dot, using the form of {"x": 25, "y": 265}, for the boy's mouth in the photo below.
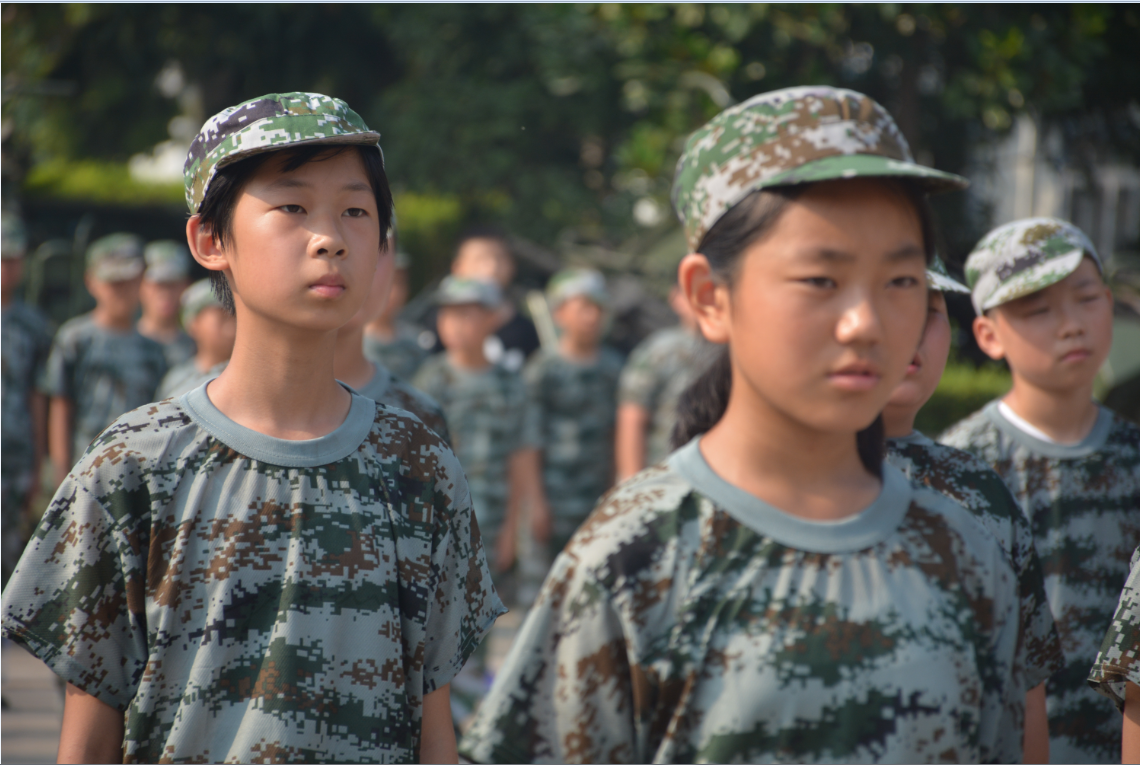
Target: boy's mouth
{"x": 330, "y": 285}
{"x": 1076, "y": 355}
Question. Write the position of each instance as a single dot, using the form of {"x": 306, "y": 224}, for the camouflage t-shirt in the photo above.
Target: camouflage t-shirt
{"x": 656, "y": 374}
{"x": 186, "y": 377}
{"x": 402, "y": 356}
{"x": 1082, "y": 502}
{"x": 385, "y": 388}
{"x": 486, "y": 415}
{"x": 571, "y": 419}
{"x": 104, "y": 372}
{"x": 688, "y": 621}
{"x": 1118, "y": 662}
{"x": 973, "y": 484}
{"x": 249, "y": 599}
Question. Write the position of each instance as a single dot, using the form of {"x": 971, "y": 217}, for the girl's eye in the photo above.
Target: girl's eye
{"x": 356, "y": 212}
{"x": 904, "y": 281}
{"x": 291, "y": 208}
{"x": 822, "y": 282}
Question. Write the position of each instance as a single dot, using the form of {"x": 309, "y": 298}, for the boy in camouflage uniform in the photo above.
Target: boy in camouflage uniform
{"x": 485, "y": 409}
{"x": 24, "y": 348}
{"x": 389, "y": 341}
{"x": 166, "y": 277}
{"x": 1043, "y": 306}
{"x": 213, "y": 330}
{"x": 572, "y": 392}
{"x": 973, "y": 484}
{"x": 100, "y": 366}
{"x": 1116, "y": 672}
{"x": 277, "y": 569}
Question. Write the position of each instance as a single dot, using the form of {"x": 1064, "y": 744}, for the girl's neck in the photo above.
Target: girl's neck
{"x": 804, "y": 472}
{"x": 1065, "y": 416}
{"x": 898, "y": 422}
{"x": 383, "y": 328}
{"x": 350, "y": 364}
{"x": 280, "y": 382}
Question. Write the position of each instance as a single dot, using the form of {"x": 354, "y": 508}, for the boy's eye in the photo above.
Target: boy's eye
{"x": 822, "y": 282}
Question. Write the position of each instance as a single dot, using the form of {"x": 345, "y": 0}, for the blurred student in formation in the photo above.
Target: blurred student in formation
{"x": 1043, "y": 305}
{"x": 25, "y": 345}
{"x": 166, "y": 277}
{"x": 100, "y": 366}
{"x": 773, "y": 591}
{"x": 572, "y": 393}
{"x": 213, "y": 330}
{"x": 371, "y": 378}
{"x": 485, "y": 408}
{"x": 1116, "y": 672}
{"x": 973, "y": 484}
{"x": 658, "y": 370}
{"x": 392, "y": 343}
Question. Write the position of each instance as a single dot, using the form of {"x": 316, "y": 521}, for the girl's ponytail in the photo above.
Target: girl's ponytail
{"x": 703, "y": 403}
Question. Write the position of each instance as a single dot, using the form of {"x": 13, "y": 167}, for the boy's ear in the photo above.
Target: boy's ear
{"x": 985, "y": 332}
{"x": 205, "y": 250}
{"x": 707, "y": 298}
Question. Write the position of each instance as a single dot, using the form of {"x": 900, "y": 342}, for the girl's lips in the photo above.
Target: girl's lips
{"x": 1075, "y": 356}
{"x": 328, "y": 290}
{"x": 853, "y": 380}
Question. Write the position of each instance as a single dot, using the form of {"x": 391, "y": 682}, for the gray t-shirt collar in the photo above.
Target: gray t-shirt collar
{"x": 1093, "y": 442}
{"x": 313, "y": 452}
{"x": 866, "y": 528}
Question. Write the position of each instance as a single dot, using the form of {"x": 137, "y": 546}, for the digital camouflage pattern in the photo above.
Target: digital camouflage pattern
{"x": 574, "y": 282}
{"x": 786, "y": 137}
{"x": 167, "y": 261}
{"x": 572, "y": 410}
{"x": 115, "y": 257}
{"x": 1024, "y": 257}
{"x": 402, "y": 356}
{"x": 24, "y": 347}
{"x": 461, "y": 290}
{"x": 186, "y": 377}
{"x": 975, "y": 486}
{"x": 291, "y": 601}
{"x": 105, "y": 373}
{"x": 1118, "y": 662}
{"x": 1081, "y": 502}
{"x": 672, "y": 629}
{"x": 656, "y": 373}
{"x": 268, "y": 123}
{"x": 384, "y": 388}
{"x": 486, "y": 414}
{"x": 939, "y": 279}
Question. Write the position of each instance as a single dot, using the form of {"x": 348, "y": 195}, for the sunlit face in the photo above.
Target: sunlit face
{"x": 117, "y": 300}
{"x": 1057, "y": 338}
{"x": 464, "y": 327}
{"x": 925, "y": 369}
{"x": 306, "y": 243}
{"x": 214, "y": 329}
{"x": 827, "y": 309}
{"x": 162, "y": 300}
{"x": 580, "y": 318}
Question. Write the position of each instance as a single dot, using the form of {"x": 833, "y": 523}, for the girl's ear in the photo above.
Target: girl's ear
{"x": 707, "y": 298}
{"x": 202, "y": 245}
{"x": 985, "y": 332}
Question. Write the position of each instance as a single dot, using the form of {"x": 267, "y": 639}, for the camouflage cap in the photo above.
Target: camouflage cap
{"x": 269, "y": 123}
{"x": 459, "y": 290}
{"x": 940, "y": 280}
{"x": 167, "y": 261}
{"x": 116, "y": 257}
{"x": 197, "y": 297}
{"x": 788, "y": 137}
{"x": 1025, "y": 256}
{"x": 573, "y": 282}
{"x": 13, "y": 235}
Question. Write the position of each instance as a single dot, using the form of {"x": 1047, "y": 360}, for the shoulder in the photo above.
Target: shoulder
{"x": 75, "y": 330}
{"x": 542, "y": 362}
{"x": 402, "y": 443}
{"x": 417, "y": 399}
{"x": 1123, "y": 434}
{"x": 955, "y": 473}
{"x": 974, "y": 433}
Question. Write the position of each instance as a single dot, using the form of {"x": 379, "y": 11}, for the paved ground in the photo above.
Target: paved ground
{"x": 29, "y": 725}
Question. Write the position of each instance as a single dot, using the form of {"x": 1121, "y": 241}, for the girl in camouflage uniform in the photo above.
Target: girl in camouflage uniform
{"x": 773, "y": 591}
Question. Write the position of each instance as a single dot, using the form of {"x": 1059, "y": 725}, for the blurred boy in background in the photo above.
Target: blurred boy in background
{"x": 213, "y": 330}
{"x": 25, "y": 345}
{"x": 166, "y": 277}
{"x": 389, "y": 341}
{"x": 100, "y": 366}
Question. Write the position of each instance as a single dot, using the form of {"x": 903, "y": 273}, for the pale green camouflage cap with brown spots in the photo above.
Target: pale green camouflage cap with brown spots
{"x": 788, "y": 137}
{"x": 1023, "y": 257}
{"x": 116, "y": 257}
{"x": 166, "y": 261}
{"x": 574, "y": 282}
{"x": 269, "y": 123}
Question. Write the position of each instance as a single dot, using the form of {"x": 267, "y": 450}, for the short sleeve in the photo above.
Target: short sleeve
{"x": 59, "y": 370}
{"x": 518, "y": 427}
{"x": 76, "y": 601}
{"x": 639, "y": 382}
{"x": 534, "y": 425}
{"x": 1118, "y": 662}
{"x": 565, "y": 692}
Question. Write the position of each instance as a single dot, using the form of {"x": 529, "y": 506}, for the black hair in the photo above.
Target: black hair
{"x": 217, "y": 209}
{"x": 704, "y": 402}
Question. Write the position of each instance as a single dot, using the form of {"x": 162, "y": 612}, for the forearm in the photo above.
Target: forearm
{"x": 92, "y": 731}
{"x": 1130, "y": 739}
{"x": 523, "y": 481}
{"x": 39, "y": 407}
{"x": 1036, "y": 742}
{"x": 437, "y": 732}
{"x": 629, "y": 441}
{"x": 59, "y": 435}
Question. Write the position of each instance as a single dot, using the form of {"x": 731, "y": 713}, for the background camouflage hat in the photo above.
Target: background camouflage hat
{"x": 268, "y": 123}
{"x": 198, "y": 296}
{"x": 15, "y": 238}
{"x": 787, "y": 137}
{"x": 1025, "y": 256}
{"x": 116, "y": 257}
{"x": 459, "y": 290}
{"x": 940, "y": 280}
{"x": 167, "y": 261}
{"x": 572, "y": 282}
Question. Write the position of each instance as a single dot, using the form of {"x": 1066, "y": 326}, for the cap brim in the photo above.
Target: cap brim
{"x": 942, "y": 283}
{"x": 868, "y": 166}
{"x": 1033, "y": 279}
{"x": 369, "y": 138}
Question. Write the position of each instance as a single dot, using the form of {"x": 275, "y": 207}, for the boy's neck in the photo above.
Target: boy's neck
{"x": 158, "y": 328}
{"x": 382, "y": 328}
{"x": 108, "y": 320}
{"x": 575, "y": 349}
{"x": 1066, "y": 416}
{"x": 350, "y": 364}
{"x": 898, "y": 423}
{"x": 468, "y": 359}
